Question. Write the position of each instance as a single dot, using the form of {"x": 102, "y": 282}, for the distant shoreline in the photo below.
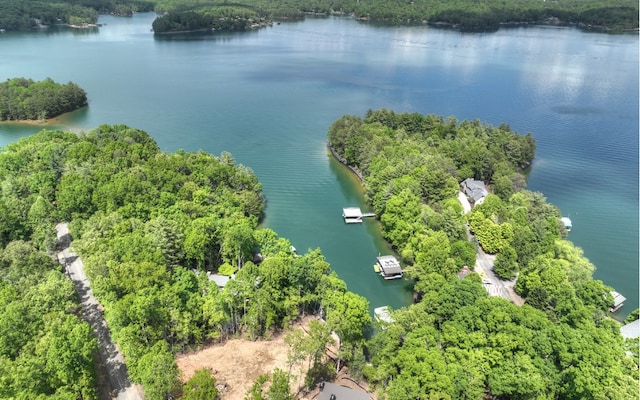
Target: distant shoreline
{"x": 47, "y": 121}
{"x": 83, "y": 26}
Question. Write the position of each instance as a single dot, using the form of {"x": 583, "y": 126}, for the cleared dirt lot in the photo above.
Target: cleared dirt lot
{"x": 237, "y": 363}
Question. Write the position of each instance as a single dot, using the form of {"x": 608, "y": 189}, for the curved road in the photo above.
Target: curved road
{"x": 111, "y": 359}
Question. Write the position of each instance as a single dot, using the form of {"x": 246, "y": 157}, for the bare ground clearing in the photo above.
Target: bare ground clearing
{"x": 237, "y": 363}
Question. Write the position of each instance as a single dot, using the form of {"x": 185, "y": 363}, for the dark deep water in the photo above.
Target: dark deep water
{"x": 269, "y": 96}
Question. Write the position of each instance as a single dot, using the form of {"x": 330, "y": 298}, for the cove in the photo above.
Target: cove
{"x": 269, "y": 96}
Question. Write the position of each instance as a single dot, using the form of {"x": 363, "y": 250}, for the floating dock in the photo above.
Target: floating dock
{"x": 353, "y": 215}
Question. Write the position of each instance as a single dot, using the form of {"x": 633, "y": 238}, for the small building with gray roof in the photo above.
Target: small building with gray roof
{"x": 331, "y": 391}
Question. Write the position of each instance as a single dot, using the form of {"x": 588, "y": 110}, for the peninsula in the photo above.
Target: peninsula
{"x": 23, "y": 100}
{"x": 465, "y": 337}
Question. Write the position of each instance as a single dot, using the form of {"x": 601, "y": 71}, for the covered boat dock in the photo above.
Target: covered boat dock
{"x": 618, "y": 301}
{"x": 353, "y": 215}
{"x": 389, "y": 267}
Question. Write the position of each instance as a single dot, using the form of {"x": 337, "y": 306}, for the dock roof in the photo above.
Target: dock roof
{"x": 389, "y": 265}
{"x": 383, "y": 314}
{"x": 351, "y": 212}
{"x": 617, "y": 298}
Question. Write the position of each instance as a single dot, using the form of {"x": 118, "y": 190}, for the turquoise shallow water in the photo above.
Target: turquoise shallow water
{"x": 269, "y": 96}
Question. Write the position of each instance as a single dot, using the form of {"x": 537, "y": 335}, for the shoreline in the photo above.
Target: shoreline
{"x": 342, "y": 161}
{"x": 36, "y": 122}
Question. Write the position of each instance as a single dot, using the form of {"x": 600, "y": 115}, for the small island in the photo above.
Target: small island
{"x": 25, "y": 100}
{"x": 218, "y": 22}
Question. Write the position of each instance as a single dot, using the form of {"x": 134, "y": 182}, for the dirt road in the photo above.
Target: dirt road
{"x": 111, "y": 360}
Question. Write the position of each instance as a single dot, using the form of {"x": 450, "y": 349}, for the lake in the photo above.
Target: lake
{"x": 269, "y": 97}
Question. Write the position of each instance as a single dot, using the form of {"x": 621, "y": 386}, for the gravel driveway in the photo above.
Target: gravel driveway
{"x": 111, "y": 359}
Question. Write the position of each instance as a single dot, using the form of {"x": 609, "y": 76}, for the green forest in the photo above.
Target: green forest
{"x": 180, "y": 15}
{"x": 23, "y": 99}
{"x": 150, "y": 226}
{"x": 456, "y": 342}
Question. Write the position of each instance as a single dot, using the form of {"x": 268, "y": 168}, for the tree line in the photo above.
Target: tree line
{"x": 196, "y": 15}
{"x": 23, "y": 15}
{"x": 150, "y": 228}
{"x": 461, "y": 14}
{"x": 24, "y": 99}
{"x": 456, "y": 341}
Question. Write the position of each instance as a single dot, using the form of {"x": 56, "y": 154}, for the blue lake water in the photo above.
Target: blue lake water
{"x": 269, "y": 96}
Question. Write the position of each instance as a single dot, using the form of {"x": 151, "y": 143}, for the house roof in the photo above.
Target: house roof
{"x": 340, "y": 392}
{"x": 220, "y": 280}
{"x": 631, "y": 330}
{"x": 473, "y": 184}
{"x": 474, "y": 189}
{"x": 390, "y": 265}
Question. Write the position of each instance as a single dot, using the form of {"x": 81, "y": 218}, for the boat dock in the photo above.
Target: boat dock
{"x": 353, "y": 215}
{"x": 389, "y": 267}
{"x": 383, "y": 314}
{"x": 618, "y": 301}
{"x": 566, "y": 221}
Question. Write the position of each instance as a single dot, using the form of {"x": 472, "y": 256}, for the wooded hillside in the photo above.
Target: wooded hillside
{"x": 150, "y": 228}
{"x": 456, "y": 341}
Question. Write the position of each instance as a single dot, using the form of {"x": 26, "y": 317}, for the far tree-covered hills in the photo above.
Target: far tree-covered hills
{"x": 210, "y": 14}
{"x": 462, "y": 14}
